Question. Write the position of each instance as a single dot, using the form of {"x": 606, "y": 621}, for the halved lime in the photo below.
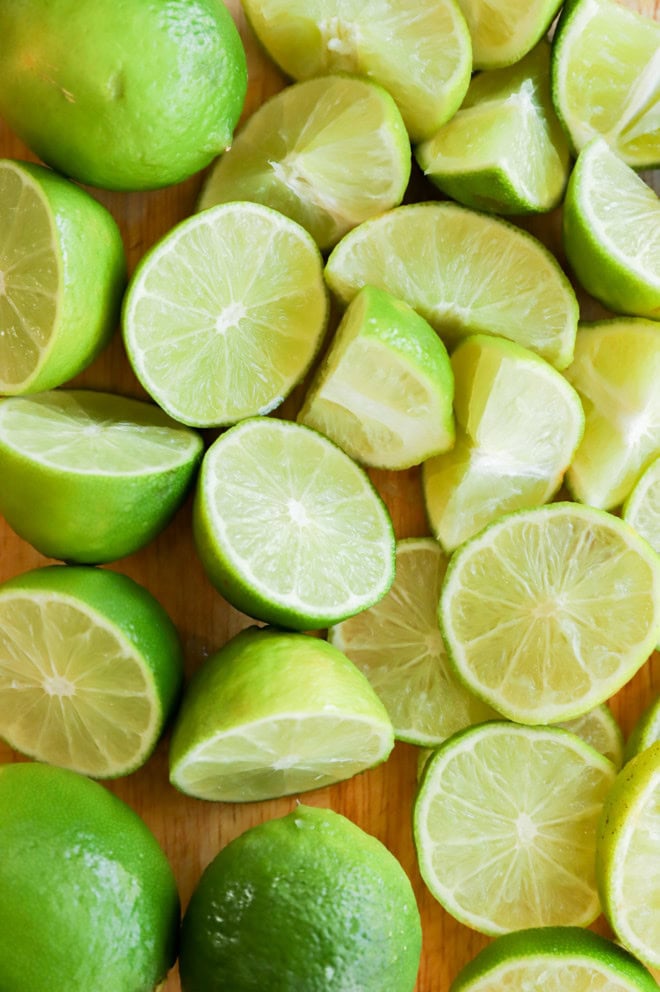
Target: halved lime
{"x": 463, "y": 272}
{"x": 274, "y": 713}
{"x": 642, "y": 507}
{"x": 224, "y": 315}
{"x": 547, "y": 612}
{"x": 503, "y": 31}
{"x": 90, "y": 669}
{"x": 599, "y": 728}
{"x": 646, "y": 730}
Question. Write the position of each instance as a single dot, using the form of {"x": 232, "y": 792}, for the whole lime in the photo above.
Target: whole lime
{"x": 303, "y": 903}
{"x": 122, "y": 94}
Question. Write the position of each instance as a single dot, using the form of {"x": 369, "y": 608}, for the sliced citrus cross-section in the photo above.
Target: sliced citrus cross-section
{"x": 642, "y": 508}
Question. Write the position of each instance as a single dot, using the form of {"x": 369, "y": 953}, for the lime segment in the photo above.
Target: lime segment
{"x": 503, "y": 31}
{"x": 599, "y": 728}
{"x": 642, "y": 508}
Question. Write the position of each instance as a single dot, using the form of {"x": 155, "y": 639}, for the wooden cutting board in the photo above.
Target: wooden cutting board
{"x": 379, "y": 801}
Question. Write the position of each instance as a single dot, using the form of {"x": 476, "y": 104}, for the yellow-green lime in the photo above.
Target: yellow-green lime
{"x": 616, "y": 369}
{"x": 646, "y": 730}
{"x": 306, "y": 901}
{"x": 431, "y": 71}
{"x": 274, "y": 713}
{"x": 548, "y": 612}
{"x": 90, "y": 669}
{"x": 62, "y": 273}
{"x": 465, "y": 273}
{"x": 123, "y": 94}
{"x": 289, "y": 528}
{"x": 224, "y": 315}
{"x": 503, "y": 31}
{"x": 89, "y": 900}
{"x": 384, "y": 391}
{"x": 504, "y": 151}
{"x": 398, "y": 645}
{"x": 328, "y": 152}
{"x": 505, "y": 826}
{"x": 642, "y": 507}
{"x": 90, "y": 476}
{"x": 627, "y": 862}
{"x": 599, "y": 728}
{"x": 518, "y": 423}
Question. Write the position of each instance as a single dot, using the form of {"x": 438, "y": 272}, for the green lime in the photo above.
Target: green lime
{"x": 465, "y": 273}
{"x": 90, "y": 669}
{"x": 646, "y": 731}
{"x": 384, "y": 391}
{"x": 274, "y": 713}
{"x": 642, "y": 507}
{"x": 124, "y": 96}
{"x": 599, "y": 728}
{"x": 91, "y": 477}
{"x": 62, "y": 273}
{"x": 503, "y": 31}
{"x": 89, "y": 900}
{"x": 307, "y": 901}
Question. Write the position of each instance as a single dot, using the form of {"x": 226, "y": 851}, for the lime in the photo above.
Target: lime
{"x": 646, "y": 731}
{"x": 398, "y": 645}
{"x": 615, "y": 370}
{"x": 62, "y": 273}
{"x": 91, "y": 477}
{"x": 289, "y": 529}
{"x": 627, "y": 863}
{"x": 605, "y": 78}
{"x": 307, "y": 901}
{"x": 384, "y": 392}
{"x": 548, "y": 612}
{"x": 611, "y": 232}
{"x": 123, "y": 96}
{"x": 599, "y": 728}
{"x": 273, "y": 713}
{"x": 89, "y": 900}
{"x": 224, "y": 315}
{"x": 90, "y": 669}
{"x": 505, "y": 826}
{"x": 431, "y": 71}
{"x": 465, "y": 273}
{"x": 504, "y": 151}
{"x": 518, "y": 423}
{"x": 329, "y": 153}
{"x": 642, "y": 507}
{"x": 503, "y": 31}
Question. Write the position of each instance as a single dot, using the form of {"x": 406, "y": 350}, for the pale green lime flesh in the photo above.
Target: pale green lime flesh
{"x": 599, "y": 728}
{"x": 503, "y": 31}
{"x": 642, "y": 508}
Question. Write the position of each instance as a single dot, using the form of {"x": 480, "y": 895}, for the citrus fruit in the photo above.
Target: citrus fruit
{"x": 224, "y": 315}
{"x": 503, "y": 31}
{"x": 518, "y": 423}
{"x": 89, "y": 476}
{"x": 642, "y": 507}
{"x": 599, "y": 728}
{"x": 431, "y": 71}
{"x": 289, "y": 529}
{"x": 126, "y": 96}
{"x": 627, "y": 863}
{"x": 384, "y": 391}
{"x": 464, "y": 272}
{"x": 62, "y": 273}
{"x": 306, "y": 901}
{"x": 504, "y": 151}
{"x": 547, "y": 612}
{"x": 328, "y": 152}
{"x": 646, "y": 730}
{"x": 611, "y": 224}
{"x": 89, "y": 900}
{"x": 90, "y": 669}
{"x": 615, "y": 370}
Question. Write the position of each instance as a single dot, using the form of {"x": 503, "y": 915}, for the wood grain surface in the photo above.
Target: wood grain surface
{"x": 192, "y": 831}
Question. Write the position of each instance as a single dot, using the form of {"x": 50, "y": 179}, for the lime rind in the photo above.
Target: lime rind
{"x": 646, "y": 730}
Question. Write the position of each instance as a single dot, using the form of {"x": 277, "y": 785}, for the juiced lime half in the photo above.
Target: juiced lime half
{"x": 503, "y": 31}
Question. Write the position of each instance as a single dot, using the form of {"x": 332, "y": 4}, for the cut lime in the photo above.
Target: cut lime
{"x": 518, "y": 423}
{"x": 272, "y": 714}
{"x": 431, "y": 71}
{"x": 62, "y": 272}
{"x": 289, "y": 528}
{"x": 90, "y": 669}
{"x": 223, "y": 317}
{"x": 504, "y": 151}
{"x": 384, "y": 392}
{"x": 646, "y": 731}
{"x": 503, "y": 31}
{"x": 91, "y": 477}
{"x": 615, "y": 370}
{"x": 547, "y": 612}
{"x": 642, "y": 508}
{"x": 329, "y": 153}
{"x": 606, "y": 78}
{"x": 599, "y": 728}
{"x": 463, "y": 272}
{"x": 505, "y": 826}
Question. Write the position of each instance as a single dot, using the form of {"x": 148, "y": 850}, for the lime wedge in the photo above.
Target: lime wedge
{"x": 646, "y": 731}
{"x": 599, "y": 728}
{"x": 90, "y": 669}
{"x": 274, "y": 713}
{"x": 642, "y": 508}
{"x": 223, "y": 317}
{"x": 547, "y": 612}
{"x": 505, "y": 826}
{"x": 465, "y": 273}
{"x": 503, "y": 31}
